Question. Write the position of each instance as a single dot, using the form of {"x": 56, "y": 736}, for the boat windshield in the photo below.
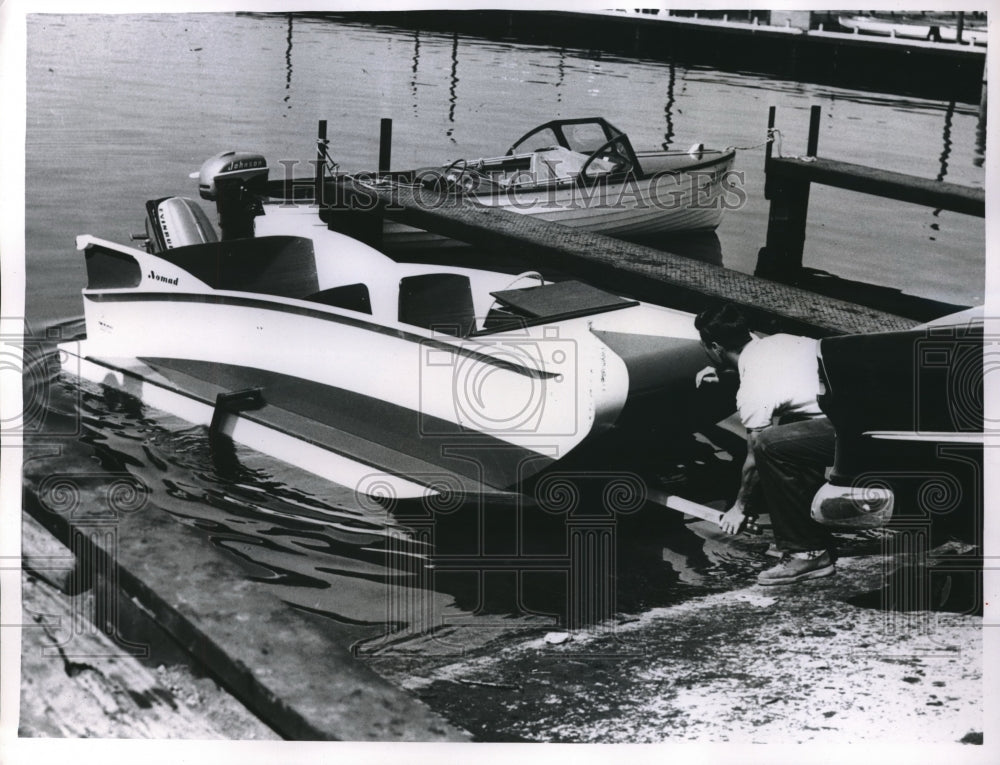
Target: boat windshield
{"x": 581, "y": 135}
{"x": 587, "y": 137}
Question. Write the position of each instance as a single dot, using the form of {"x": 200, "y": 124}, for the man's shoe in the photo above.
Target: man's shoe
{"x": 799, "y": 566}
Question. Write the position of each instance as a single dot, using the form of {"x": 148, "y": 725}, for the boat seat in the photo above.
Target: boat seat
{"x": 441, "y": 302}
{"x": 353, "y": 297}
{"x": 284, "y": 266}
{"x": 560, "y": 162}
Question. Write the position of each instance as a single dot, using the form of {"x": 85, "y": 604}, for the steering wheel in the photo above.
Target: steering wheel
{"x": 609, "y": 152}
{"x": 460, "y": 179}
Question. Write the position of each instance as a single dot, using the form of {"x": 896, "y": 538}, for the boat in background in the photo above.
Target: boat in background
{"x": 971, "y": 35}
{"x": 585, "y": 174}
{"x": 922, "y": 28}
{"x": 397, "y": 380}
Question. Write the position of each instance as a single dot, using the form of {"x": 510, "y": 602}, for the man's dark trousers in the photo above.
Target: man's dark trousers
{"x": 791, "y": 462}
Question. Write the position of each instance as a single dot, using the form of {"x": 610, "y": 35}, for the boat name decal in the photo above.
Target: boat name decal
{"x": 165, "y": 279}
{"x": 244, "y": 164}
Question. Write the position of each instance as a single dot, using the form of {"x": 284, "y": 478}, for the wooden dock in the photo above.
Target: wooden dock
{"x": 635, "y": 270}
{"x": 788, "y": 180}
{"x": 928, "y": 68}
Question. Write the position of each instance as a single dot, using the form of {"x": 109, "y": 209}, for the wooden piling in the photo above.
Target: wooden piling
{"x": 787, "y": 184}
{"x": 385, "y": 145}
{"x": 813, "y": 144}
{"x": 781, "y": 255}
{"x": 320, "y": 162}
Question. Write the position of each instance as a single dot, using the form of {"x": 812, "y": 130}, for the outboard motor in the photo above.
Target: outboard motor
{"x": 234, "y": 181}
{"x": 176, "y": 222}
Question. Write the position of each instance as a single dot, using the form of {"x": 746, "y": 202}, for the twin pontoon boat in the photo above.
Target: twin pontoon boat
{"x": 400, "y": 380}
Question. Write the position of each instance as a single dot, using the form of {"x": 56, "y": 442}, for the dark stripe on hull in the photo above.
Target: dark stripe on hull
{"x": 270, "y": 305}
{"x": 391, "y": 438}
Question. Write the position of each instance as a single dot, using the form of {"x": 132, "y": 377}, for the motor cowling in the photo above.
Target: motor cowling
{"x": 246, "y": 169}
{"x": 235, "y": 181}
{"x": 176, "y": 222}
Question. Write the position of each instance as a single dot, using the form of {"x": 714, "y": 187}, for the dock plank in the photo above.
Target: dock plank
{"x": 883, "y": 183}
{"x": 636, "y": 270}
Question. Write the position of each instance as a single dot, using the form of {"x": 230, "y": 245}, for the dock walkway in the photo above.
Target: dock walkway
{"x": 639, "y": 271}
{"x": 931, "y": 68}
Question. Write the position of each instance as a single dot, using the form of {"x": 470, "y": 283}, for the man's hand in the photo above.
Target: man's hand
{"x": 733, "y": 519}
{"x": 708, "y": 374}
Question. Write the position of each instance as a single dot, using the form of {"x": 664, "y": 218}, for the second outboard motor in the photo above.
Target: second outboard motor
{"x": 234, "y": 181}
{"x": 176, "y": 222}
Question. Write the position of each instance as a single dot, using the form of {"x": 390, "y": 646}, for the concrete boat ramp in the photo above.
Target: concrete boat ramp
{"x": 195, "y": 650}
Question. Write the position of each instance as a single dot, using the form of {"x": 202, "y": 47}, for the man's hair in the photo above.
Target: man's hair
{"x": 723, "y": 324}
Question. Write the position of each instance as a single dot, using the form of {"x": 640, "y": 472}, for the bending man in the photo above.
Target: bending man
{"x": 789, "y": 440}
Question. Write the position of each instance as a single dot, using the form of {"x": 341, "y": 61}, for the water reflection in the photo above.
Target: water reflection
{"x": 405, "y": 568}
{"x": 453, "y": 87}
{"x": 946, "y": 141}
{"x": 288, "y": 65}
{"x": 980, "y": 156}
{"x": 561, "y": 74}
{"x": 413, "y": 69}
{"x": 668, "y": 107}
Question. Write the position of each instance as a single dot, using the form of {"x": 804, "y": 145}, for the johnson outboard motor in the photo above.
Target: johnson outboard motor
{"x": 235, "y": 181}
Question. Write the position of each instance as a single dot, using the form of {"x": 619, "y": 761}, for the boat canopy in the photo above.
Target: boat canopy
{"x": 590, "y": 136}
{"x": 582, "y": 134}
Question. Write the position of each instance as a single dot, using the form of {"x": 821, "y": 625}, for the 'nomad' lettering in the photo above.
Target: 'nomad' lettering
{"x": 157, "y": 278}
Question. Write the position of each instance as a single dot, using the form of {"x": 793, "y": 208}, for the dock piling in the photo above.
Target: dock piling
{"x": 385, "y": 145}
{"x": 781, "y": 255}
{"x": 321, "y": 143}
{"x": 814, "y": 116}
{"x": 787, "y": 184}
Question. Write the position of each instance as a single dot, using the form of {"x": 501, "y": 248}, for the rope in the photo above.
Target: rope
{"x": 770, "y": 137}
{"x": 773, "y": 134}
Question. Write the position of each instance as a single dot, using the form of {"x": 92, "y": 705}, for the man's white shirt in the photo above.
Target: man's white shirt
{"x": 779, "y": 375}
